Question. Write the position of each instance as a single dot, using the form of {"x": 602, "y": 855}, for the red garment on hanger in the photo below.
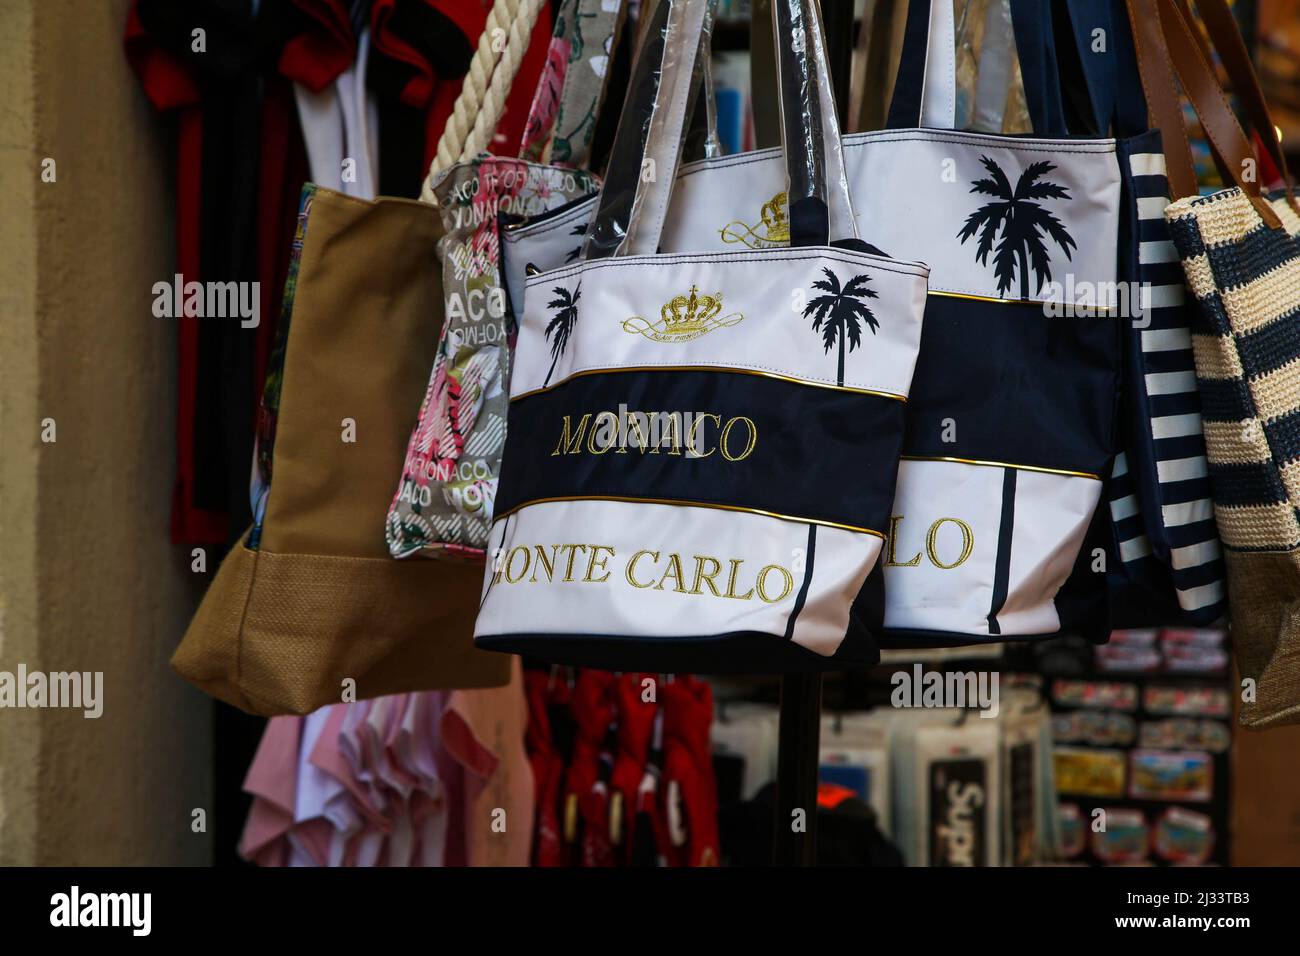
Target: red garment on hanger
{"x": 635, "y": 718}
{"x": 323, "y": 48}
{"x": 510, "y": 128}
{"x": 586, "y": 798}
{"x": 688, "y": 769}
{"x": 172, "y": 88}
{"x": 544, "y": 691}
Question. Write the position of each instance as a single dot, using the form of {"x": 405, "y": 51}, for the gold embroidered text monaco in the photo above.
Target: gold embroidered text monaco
{"x": 649, "y": 431}
{"x": 698, "y": 574}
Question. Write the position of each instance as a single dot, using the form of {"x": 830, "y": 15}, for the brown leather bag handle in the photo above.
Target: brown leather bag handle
{"x": 1166, "y": 48}
{"x": 1226, "y": 40}
{"x": 1161, "y": 91}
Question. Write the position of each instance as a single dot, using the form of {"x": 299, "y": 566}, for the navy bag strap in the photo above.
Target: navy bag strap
{"x": 1106, "y": 66}
{"x": 1039, "y": 71}
{"x": 926, "y": 68}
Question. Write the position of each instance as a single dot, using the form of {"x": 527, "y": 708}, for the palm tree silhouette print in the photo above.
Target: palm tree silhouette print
{"x": 561, "y": 324}
{"x": 840, "y": 313}
{"x": 579, "y": 230}
{"x": 1022, "y": 220}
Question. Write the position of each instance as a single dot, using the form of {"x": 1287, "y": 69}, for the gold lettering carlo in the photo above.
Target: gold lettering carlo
{"x": 701, "y": 575}
{"x": 931, "y": 545}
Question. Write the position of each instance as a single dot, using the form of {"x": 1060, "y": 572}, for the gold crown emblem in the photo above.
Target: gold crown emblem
{"x": 690, "y": 314}
{"x": 775, "y": 218}
{"x": 684, "y": 317}
{"x": 772, "y": 229}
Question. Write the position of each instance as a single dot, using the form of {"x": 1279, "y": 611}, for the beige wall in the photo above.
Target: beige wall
{"x": 88, "y": 579}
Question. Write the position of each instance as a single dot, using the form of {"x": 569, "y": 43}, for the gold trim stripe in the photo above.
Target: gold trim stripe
{"x": 710, "y": 368}
{"x": 688, "y": 504}
{"x": 1096, "y": 309}
{"x": 1004, "y": 464}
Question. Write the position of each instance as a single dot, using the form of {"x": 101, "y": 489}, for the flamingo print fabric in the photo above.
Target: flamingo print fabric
{"x": 444, "y": 499}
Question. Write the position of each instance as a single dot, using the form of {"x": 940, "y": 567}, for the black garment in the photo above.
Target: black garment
{"x": 848, "y": 835}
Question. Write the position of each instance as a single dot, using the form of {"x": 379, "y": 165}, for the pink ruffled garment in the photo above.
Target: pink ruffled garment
{"x": 425, "y": 779}
{"x": 329, "y": 790}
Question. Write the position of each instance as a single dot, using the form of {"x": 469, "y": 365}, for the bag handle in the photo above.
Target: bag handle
{"x": 1227, "y": 41}
{"x": 925, "y": 90}
{"x": 633, "y": 204}
{"x": 1166, "y": 49}
{"x": 549, "y": 105}
{"x": 1109, "y": 76}
{"x": 483, "y": 93}
{"x": 993, "y": 74}
{"x": 818, "y": 188}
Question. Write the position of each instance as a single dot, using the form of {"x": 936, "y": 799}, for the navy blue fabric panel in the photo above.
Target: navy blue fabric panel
{"x": 1284, "y": 437}
{"x": 1267, "y": 348}
{"x": 1260, "y": 251}
{"x": 1253, "y": 484}
{"x": 1171, "y": 360}
{"x": 1225, "y": 400}
{"x": 1110, "y": 74}
{"x": 1035, "y": 45}
{"x": 1096, "y": 74}
{"x": 1137, "y": 439}
{"x": 810, "y": 562}
{"x": 905, "y": 107}
{"x": 739, "y": 652}
{"x": 1210, "y": 317}
{"x": 1130, "y": 99}
{"x": 1019, "y": 387}
{"x": 1002, "y": 565}
{"x": 815, "y": 453}
{"x": 1186, "y": 234}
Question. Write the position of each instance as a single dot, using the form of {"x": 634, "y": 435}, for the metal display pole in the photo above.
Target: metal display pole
{"x": 799, "y": 737}
{"x": 795, "y": 838}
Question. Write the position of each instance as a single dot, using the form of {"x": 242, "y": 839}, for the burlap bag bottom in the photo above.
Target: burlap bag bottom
{"x": 281, "y": 633}
{"x": 1265, "y": 593}
{"x": 320, "y": 602}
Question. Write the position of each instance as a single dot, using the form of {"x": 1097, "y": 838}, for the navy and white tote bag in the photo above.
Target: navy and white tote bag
{"x": 702, "y": 447}
{"x": 1168, "y": 565}
{"x": 1011, "y": 422}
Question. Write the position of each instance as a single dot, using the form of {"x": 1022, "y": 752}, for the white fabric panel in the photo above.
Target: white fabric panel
{"x": 759, "y": 325}
{"x": 993, "y": 78}
{"x": 907, "y": 207}
{"x": 618, "y": 592}
{"x": 1166, "y": 340}
{"x": 546, "y": 244}
{"x": 903, "y": 203}
{"x": 1175, "y": 426}
{"x": 1188, "y": 512}
{"x": 1148, "y": 164}
{"x": 1181, "y": 469}
{"x": 1194, "y": 598}
{"x": 1134, "y": 548}
{"x": 1051, "y": 516}
{"x": 939, "y": 86}
{"x": 1125, "y": 507}
{"x": 342, "y": 122}
{"x": 1052, "y": 513}
{"x": 925, "y": 596}
{"x": 664, "y": 141}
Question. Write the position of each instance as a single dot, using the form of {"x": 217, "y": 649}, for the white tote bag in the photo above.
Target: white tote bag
{"x": 702, "y": 448}
{"x": 1011, "y": 424}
